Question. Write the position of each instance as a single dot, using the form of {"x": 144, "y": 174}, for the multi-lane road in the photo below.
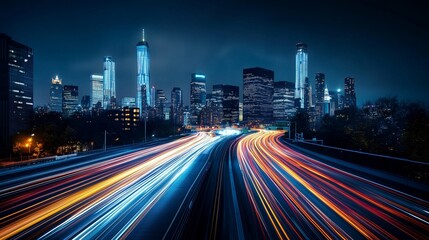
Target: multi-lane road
{"x": 101, "y": 196}
{"x": 200, "y": 187}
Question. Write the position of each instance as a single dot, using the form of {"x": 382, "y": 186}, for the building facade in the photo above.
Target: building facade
{"x": 230, "y": 104}
{"x": 56, "y": 95}
{"x": 198, "y": 97}
{"x": 216, "y": 104}
{"x": 109, "y": 83}
{"x": 16, "y": 90}
{"x": 176, "y": 112}
{"x": 70, "y": 100}
{"x": 96, "y": 90}
{"x": 144, "y": 98}
{"x": 160, "y": 103}
{"x": 349, "y": 93}
{"x": 283, "y": 100}
{"x": 301, "y": 73}
{"x": 258, "y": 88}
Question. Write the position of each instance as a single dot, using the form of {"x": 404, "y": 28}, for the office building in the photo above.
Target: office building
{"x": 128, "y": 102}
{"x": 230, "y": 104}
{"x": 85, "y": 103}
{"x": 160, "y": 104}
{"x": 198, "y": 97}
{"x": 176, "y": 115}
{"x": 349, "y": 93}
{"x": 216, "y": 104}
{"x": 283, "y": 100}
{"x": 258, "y": 88}
{"x": 144, "y": 92}
{"x": 326, "y": 101}
{"x": 308, "y": 103}
{"x": 96, "y": 90}
{"x": 16, "y": 90}
{"x": 130, "y": 118}
{"x": 70, "y": 100}
{"x": 109, "y": 83}
{"x": 301, "y": 74}
{"x": 56, "y": 95}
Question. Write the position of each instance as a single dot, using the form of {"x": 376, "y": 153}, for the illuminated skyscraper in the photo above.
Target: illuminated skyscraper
{"x": 349, "y": 92}
{"x": 96, "y": 90}
{"x": 16, "y": 90}
{"x": 283, "y": 100}
{"x": 258, "y": 88}
{"x": 176, "y": 115}
{"x": 230, "y": 104}
{"x": 143, "y": 78}
{"x": 70, "y": 99}
{"x": 326, "y": 101}
{"x": 153, "y": 96}
{"x": 198, "y": 96}
{"x": 160, "y": 104}
{"x": 301, "y": 68}
{"x": 109, "y": 83}
{"x": 320, "y": 87}
{"x": 56, "y": 95}
{"x": 216, "y": 106}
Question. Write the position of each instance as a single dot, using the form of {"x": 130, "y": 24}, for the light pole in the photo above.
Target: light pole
{"x": 145, "y": 119}
{"x": 105, "y": 145}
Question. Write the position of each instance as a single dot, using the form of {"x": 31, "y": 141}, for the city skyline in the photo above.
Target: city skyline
{"x": 366, "y": 43}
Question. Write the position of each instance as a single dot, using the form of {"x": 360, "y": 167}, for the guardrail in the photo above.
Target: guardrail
{"x": 418, "y": 171}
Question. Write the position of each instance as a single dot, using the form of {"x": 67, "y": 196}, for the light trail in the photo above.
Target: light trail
{"x": 295, "y": 196}
{"x": 104, "y": 199}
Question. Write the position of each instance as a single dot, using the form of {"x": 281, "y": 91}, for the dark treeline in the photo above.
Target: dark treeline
{"x": 386, "y": 126}
{"x": 52, "y": 134}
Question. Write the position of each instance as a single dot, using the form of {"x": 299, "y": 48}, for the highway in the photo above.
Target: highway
{"x": 201, "y": 187}
{"x": 119, "y": 194}
{"x": 297, "y": 197}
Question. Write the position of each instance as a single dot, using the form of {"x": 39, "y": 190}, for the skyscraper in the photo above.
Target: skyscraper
{"x": 143, "y": 80}
{"x": 326, "y": 101}
{"x": 283, "y": 100}
{"x": 85, "y": 103}
{"x": 217, "y": 104}
{"x": 258, "y": 90}
{"x": 160, "y": 104}
{"x": 349, "y": 93}
{"x": 301, "y": 73}
{"x": 308, "y": 103}
{"x": 198, "y": 96}
{"x": 153, "y": 96}
{"x": 16, "y": 90}
{"x": 96, "y": 90}
{"x": 320, "y": 87}
{"x": 176, "y": 114}
{"x": 109, "y": 83}
{"x": 56, "y": 95}
{"x": 230, "y": 104}
{"x": 70, "y": 99}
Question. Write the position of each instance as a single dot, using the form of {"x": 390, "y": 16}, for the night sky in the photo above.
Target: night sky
{"x": 385, "y": 47}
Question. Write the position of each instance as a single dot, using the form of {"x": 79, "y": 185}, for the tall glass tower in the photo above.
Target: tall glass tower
{"x": 258, "y": 89}
{"x": 198, "y": 96}
{"x": 56, "y": 95}
{"x": 349, "y": 92}
{"x": 143, "y": 81}
{"x": 301, "y": 68}
{"x": 109, "y": 82}
{"x": 96, "y": 90}
{"x": 16, "y": 90}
